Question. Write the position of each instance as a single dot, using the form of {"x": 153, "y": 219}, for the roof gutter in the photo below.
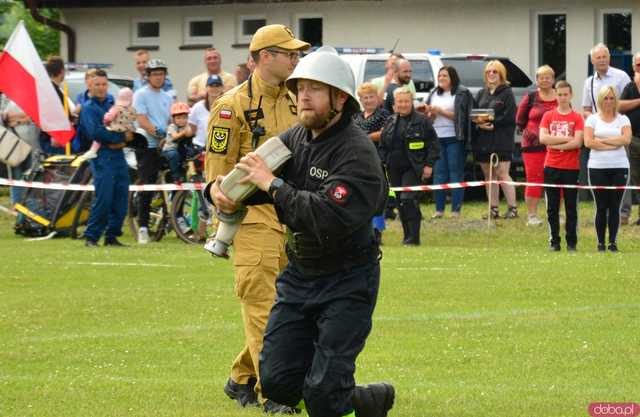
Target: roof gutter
{"x": 71, "y": 34}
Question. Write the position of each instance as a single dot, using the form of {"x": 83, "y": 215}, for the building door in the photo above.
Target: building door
{"x": 552, "y": 42}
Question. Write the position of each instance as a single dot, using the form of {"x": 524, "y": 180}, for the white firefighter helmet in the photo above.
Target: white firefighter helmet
{"x": 326, "y": 66}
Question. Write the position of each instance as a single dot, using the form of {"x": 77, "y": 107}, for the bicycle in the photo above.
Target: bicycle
{"x": 191, "y": 215}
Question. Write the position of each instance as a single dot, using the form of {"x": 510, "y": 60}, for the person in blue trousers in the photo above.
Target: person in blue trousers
{"x": 110, "y": 173}
{"x": 448, "y": 106}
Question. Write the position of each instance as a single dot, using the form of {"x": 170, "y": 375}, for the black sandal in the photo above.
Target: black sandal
{"x": 495, "y": 214}
{"x": 512, "y": 213}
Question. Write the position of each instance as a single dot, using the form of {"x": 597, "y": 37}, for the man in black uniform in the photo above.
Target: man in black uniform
{"x": 326, "y": 194}
{"x": 409, "y": 147}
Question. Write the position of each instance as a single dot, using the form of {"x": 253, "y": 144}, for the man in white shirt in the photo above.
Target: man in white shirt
{"x": 604, "y": 75}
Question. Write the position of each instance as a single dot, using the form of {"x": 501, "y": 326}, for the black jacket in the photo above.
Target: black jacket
{"x": 421, "y": 142}
{"x": 501, "y": 138}
{"x": 462, "y": 105}
{"x": 334, "y": 184}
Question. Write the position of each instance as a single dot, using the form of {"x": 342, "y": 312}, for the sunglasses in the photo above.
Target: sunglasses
{"x": 491, "y": 71}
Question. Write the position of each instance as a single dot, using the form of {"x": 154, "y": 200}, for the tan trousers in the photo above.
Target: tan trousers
{"x": 258, "y": 258}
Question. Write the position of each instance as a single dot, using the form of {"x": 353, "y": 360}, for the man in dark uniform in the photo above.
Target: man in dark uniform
{"x": 110, "y": 173}
{"x": 408, "y": 147}
{"x": 326, "y": 194}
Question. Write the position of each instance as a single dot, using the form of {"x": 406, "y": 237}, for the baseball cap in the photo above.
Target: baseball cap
{"x": 214, "y": 79}
{"x": 276, "y": 35}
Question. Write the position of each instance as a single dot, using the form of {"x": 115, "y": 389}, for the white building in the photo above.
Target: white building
{"x": 559, "y": 32}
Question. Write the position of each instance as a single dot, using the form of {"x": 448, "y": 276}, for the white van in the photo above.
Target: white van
{"x": 369, "y": 66}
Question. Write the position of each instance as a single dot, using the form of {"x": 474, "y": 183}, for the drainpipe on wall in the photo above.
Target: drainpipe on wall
{"x": 71, "y": 35}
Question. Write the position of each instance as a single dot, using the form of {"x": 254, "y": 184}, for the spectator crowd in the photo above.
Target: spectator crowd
{"x": 598, "y": 144}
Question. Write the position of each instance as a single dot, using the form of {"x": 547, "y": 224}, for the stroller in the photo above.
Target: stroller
{"x": 44, "y": 212}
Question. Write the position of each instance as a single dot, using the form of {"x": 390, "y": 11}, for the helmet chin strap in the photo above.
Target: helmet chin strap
{"x": 333, "y": 112}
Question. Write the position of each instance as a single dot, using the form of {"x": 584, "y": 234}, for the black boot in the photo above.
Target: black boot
{"x": 415, "y": 231}
{"x": 112, "y": 241}
{"x": 271, "y": 407}
{"x": 373, "y": 400}
{"x": 242, "y": 393}
{"x": 413, "y": 238}
{"x": 402, "y": 210}
{"x": 412, "y": 219}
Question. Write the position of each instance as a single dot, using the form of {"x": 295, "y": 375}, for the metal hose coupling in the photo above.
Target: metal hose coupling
{"x": 227, "y": 229}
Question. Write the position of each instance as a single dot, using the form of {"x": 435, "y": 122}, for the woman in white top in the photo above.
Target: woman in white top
{"x": 199, "y": 116}
{"x": 606, "y": 133}
{"x": 448, "y": 106}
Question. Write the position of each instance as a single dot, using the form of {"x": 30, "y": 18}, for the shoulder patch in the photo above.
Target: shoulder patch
{"x": 339, "y": 193}
{"x": 219, "y": 139}
{"x": 225, "y": 114}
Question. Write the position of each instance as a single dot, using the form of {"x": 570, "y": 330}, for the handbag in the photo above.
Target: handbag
{"x": 13, "y": 150}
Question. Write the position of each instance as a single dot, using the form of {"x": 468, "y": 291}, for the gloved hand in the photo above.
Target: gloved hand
{"x": 160, "y": 133}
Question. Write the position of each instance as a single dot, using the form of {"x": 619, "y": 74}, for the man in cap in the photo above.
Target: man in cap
{"x": 240, "y": 121}
{"x": 326, "y": 195}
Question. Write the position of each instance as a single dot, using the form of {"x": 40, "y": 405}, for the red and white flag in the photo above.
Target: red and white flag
{"x": 24, "y": 79}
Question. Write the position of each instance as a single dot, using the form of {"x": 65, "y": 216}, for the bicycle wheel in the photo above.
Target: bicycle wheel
{"x": 158, "y": 216}
{"x": 191, "y": 217}
{"x": 81, "y": 215}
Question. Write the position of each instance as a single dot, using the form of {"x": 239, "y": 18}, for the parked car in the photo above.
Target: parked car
{"x": 470, "y": 69}
{"x": 76, "y": 84}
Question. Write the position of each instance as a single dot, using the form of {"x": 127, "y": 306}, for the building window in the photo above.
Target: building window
{"x": 145, "y": 31}
{"x": 616, "y": 30}
{"x": 198, "y": 30}
{"x": 552, "y": 42}
{"x": 310, "y": 29}
{"x": 247, "y": 26}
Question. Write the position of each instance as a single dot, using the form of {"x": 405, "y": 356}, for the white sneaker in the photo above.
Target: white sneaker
{"x": 182, "y": 224}
{"x": 534, "y": 221}
{"x": 89, "y": 155}
{"x": 143, "y": 236}
{"x": 209, "y": 244}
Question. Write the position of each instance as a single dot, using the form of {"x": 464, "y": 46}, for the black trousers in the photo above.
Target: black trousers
{"x": 608, "y": 201}
{"x": 408, "y": 202}
{"x": 316, "y": 329}
{"x": 148, "y": 167}
{"x": 562, "y": 176}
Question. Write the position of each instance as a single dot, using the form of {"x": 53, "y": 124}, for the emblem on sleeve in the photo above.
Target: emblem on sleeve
{"x": 219, "y": 140}
{"x": 339, "y": 194}
{"x": 225, "y": 114}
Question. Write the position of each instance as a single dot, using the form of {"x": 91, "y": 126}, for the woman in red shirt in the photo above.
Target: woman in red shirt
{"x": 561, "y": 130}
{"x": 533, "y": 152}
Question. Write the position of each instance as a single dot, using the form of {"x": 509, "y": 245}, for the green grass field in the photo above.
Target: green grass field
{"x": 475, "y": 322}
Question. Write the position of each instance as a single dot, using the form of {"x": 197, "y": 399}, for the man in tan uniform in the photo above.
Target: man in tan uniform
{"x": 241, "y": 120}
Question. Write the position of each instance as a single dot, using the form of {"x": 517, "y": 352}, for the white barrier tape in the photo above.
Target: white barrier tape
{"x": 515, "y": 183}
{"x": 192, "y": 186}
{"x": 189, "y": 186}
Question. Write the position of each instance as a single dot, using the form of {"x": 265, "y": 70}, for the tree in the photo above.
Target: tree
{"x": 45, "y": 39}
